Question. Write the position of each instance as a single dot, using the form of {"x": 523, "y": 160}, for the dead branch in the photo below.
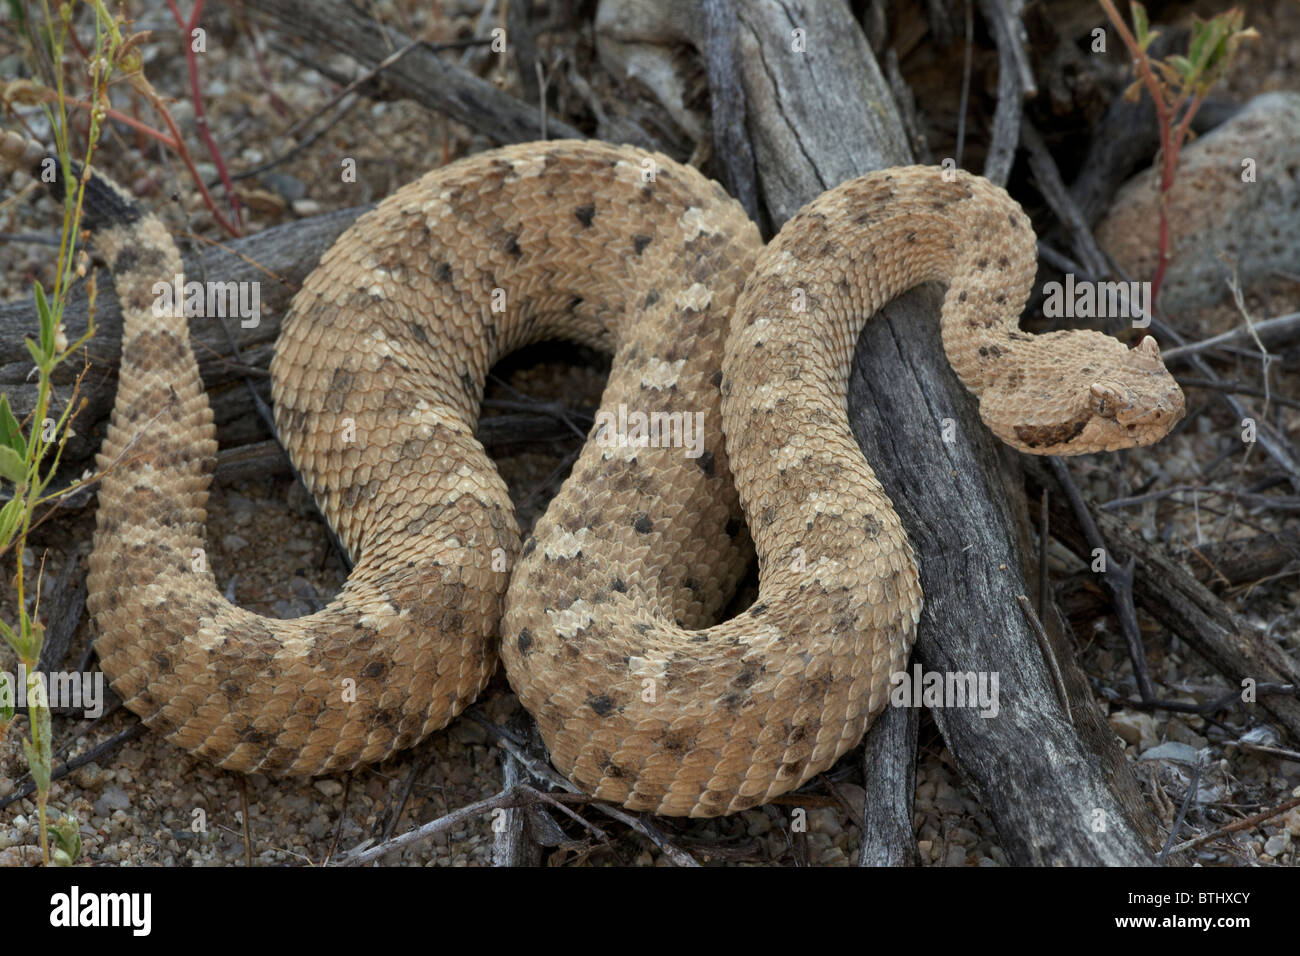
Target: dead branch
{"x": 424, "y": 76}
{"x": 1173, "y": 596}
{"x": 1015, "y": 82}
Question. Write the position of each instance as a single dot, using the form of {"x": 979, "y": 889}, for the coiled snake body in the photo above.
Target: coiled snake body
{"x": 608, "y": 629}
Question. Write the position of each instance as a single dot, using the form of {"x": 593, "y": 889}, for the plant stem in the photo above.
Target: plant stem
{"x": 1169, "y": 144}
{"x": 200, "y": 116}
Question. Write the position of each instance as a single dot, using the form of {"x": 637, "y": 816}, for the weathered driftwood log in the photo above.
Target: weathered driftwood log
{"x": 1250, "y": 559}
{"x": 421, "y": 74}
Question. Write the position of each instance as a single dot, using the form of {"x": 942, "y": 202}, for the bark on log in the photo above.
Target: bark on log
{"x": 1250, "y": 559}
{"x": 1058, "y": 794}
{"x": 422, "y": 74}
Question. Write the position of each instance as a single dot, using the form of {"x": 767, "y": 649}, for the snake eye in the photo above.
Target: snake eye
{"x": 1106, "y": 401}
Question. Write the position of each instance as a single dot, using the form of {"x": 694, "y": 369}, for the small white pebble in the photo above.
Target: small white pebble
{"x": 1276, "y": 845}
{"x": 331, "y": 788}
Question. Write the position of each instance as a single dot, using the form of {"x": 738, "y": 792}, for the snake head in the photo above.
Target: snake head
{"x": 1123, "y": 398}
{"x": 1138, "y": 401}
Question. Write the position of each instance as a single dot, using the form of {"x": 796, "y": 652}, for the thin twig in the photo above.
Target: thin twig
{"x": 1044, "y": 538}
{"x": 544, "y": 771}
{"x": 417, "y": 768}
{"x": 514, "y": 797}
{"x": 1117, "y": 577}
{"x": 351, "y": 88}
{"x": 1014, "y": 82}
{"x": 1237, "y": 388}
{"x": 965, "y": 83}
{"x": 1052, "y": 188}
{"x": 1275, "y": 331}
{"x": 338, "y": 828}
{"x": 1192, "y": 784}
{"x": 94, "y": 753}
{"x": 1245, "y": 823}
{"x": 242, "y": 786}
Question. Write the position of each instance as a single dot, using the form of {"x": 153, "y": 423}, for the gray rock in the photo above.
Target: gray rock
{"x": 328, "y": 786}
{"x": 1172, "y": 750}
{"x": 113, "y": 798}
{"x": 1261, "y": 736}
{"x": 291, "y": 188}
{"x": 241, "y": 509}
{"x": 1213, "y": 215}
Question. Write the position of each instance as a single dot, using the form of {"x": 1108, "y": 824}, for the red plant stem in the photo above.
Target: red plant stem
{"x": 135, "y": 113}
{"x": 200, "y": 117}
{"x": 173, "y": 142}
{"x": 1168, "y": 166}
{"x": 51, "y": 97}
{"x": 188, "y": 160}
{"x": 1170, "y": 143}
{"x": 76, "y": 42}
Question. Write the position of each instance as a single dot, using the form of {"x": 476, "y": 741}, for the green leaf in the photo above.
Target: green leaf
{"x": 47, "y": 323}
{"x": 10, "y": 637}
{"x": 1182, "y": 65}
{"x": 38, "y": 722}
{"x": 67, "y": 841}
{"x": 11, "y": 433}
{"x": 37, "y": 356}
{"x": 10, "y": 515}
{"x": 40, "y": 769}
{"x": 1209, "y": 48}
{"x": 1141, "y": 25}
{"x": 7, "y": 698}
{"x": 1200, "y": 34}
{"x": 36, "y": 640}
{"x": 12, "y": 466}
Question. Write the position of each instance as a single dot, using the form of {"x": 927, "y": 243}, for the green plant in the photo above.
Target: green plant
{"x": 1178, "y": 85}
{"x": 30, "y": 451}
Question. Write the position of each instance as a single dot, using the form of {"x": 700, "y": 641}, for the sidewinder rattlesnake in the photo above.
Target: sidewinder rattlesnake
{"x": 608, "y": 629}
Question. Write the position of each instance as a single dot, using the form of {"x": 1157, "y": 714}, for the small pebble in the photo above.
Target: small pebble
{"x": 1138, "y": 730}
{"x": 331, "y": 788}
{"x": 111, "y": 799}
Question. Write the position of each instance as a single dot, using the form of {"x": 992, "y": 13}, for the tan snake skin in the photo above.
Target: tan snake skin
{"x": 609, "y": 633}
